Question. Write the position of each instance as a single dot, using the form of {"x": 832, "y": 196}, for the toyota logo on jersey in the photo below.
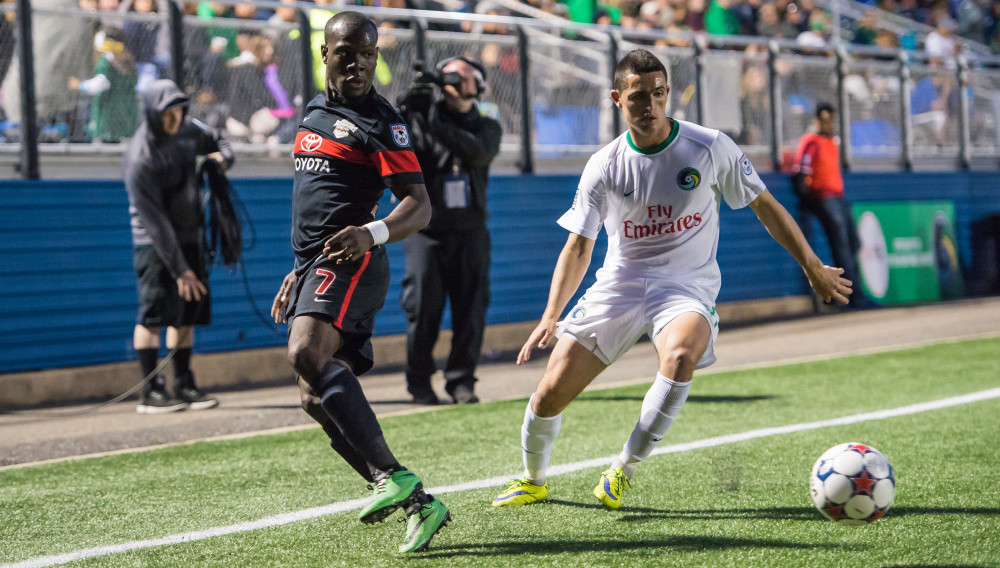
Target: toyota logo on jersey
{"x": 311, "y": 142}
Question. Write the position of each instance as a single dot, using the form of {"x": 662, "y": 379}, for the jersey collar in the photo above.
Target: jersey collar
{"x": 670, "y": 138}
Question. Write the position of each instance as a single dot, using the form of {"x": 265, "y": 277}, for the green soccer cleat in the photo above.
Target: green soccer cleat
{"x": 521, "y": 492}
{"x": 611, "y": 487}
{"x": 398, "y": 489}
{"x": 423, "y": 521}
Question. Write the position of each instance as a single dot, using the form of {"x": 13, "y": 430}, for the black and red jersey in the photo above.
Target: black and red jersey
{"x": 346, "y": 155}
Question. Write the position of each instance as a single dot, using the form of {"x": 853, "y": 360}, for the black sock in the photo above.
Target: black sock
{"x": 347, "y": 451}
{"x": 344, "y": 402}
{"x": 182, "y": 361}
{"x": 147, "y": 363}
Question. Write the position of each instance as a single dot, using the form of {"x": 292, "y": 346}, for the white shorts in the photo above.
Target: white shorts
{"x": 616, "y": 312}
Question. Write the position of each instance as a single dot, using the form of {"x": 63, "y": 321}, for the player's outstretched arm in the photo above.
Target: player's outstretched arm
{"x": 825, "y": 280}
{"x": 570, "y": 270}
{"x": 411, "y": 215}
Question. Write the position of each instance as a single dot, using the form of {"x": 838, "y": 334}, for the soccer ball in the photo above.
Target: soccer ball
{"x": 852, "y": 484}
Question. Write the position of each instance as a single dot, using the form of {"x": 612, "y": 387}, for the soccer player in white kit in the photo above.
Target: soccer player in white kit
{"x": 656, "y": 190}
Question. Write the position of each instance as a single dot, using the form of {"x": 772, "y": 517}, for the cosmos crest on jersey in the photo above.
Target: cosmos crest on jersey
{"x": 660, "y": 206}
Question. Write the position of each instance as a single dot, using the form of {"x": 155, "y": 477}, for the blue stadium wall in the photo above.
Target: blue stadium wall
{"x": 68, "y": 290}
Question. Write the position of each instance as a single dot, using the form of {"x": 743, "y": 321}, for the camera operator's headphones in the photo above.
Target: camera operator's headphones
{"x": 480, "y": 78}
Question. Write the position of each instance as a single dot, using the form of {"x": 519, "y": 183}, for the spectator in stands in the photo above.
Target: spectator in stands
{"x": 815, "y": 37}
{"x": 143, "y": 39}
{"x": 793, "y": 16}
{"x": 245, "y": 11}
{"x": 971, "y": 18}
{"x": 720, "y": 20}
{"x": 695, "y": 17}
{"x": 867, "y": 29}
{"x": 939, "y": 45}
{"x": 7, "y": 44}
{"x": 771, "y": 25}
{"x": 910, "y": 9}
{"x": 885, "y": 38}
{"x": 258, "y": 104}
{"x": 747, "y": 13}
{"x": 807, "y": 8}
{"x": 992, "y": 31}
{"x": 287, "y": 50}
{"x": 755, "y": 103}
{"x": 212, "y": 10}
{"x": 63, "y": 48}
{"x": 114, "y": 111}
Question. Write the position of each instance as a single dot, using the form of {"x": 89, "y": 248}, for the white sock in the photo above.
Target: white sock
{"x": 537, "y": 436}
{"x": 659, "y": 408}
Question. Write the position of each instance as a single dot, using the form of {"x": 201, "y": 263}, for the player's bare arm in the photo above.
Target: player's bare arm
{"x": 574, "y": 259}
{"x": 411, "y": 215}
{"x": 281, "y": 299}
{"x": 825, "y": 280}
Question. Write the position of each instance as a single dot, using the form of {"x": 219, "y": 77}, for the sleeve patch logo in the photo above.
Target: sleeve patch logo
{"x": 342, "y": 128}
{"x": 400, "y": 136}
{"x": 311, "y": 142}
{"x": 745, "y": 165}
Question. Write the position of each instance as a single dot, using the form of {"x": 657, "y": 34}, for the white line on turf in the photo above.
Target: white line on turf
{"x": 287, "y": 518}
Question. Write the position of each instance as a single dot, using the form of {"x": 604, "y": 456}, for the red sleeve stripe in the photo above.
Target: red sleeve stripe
{"x": 391, "y": 162}
{"x": 307, "y": 142}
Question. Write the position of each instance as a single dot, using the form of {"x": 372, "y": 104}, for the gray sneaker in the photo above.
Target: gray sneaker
{"x": 157, "y": 402}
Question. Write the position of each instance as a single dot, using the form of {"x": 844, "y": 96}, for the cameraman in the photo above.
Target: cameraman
{"x": 450, "y": 257}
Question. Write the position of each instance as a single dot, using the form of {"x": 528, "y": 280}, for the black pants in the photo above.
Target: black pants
{"x": 453, "y": 267}
{"x": 834, "y": 215}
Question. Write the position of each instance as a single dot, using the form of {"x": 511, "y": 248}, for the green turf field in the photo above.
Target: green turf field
{"x": 741, "y": 504}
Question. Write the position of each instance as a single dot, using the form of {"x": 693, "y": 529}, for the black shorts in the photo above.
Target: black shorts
{"x": 159, "y": 302}
{"x": 348, "y": 296}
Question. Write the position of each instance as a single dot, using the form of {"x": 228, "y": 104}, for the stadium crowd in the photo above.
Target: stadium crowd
{"x": 245, "y": 76}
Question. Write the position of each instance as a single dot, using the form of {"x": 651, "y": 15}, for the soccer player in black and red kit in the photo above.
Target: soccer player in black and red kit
{"x": 350, "y": 146}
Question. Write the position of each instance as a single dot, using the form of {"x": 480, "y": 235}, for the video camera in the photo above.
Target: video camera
{"x": 419, "y": 98}
{"x": 427, "y": 77}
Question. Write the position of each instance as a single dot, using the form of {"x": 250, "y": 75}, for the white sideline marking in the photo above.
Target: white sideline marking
{"x": 343, "y": 506}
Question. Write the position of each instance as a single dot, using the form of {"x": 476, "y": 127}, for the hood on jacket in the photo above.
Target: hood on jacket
{"x": 159, "y": 96}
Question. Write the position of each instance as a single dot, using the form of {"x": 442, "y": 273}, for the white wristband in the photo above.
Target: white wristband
{"x": 379, "y": 231}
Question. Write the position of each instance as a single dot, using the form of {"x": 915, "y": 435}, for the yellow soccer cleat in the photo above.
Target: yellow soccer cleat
{"x": 611, "y": 487}
{"x": 521, "y": 492}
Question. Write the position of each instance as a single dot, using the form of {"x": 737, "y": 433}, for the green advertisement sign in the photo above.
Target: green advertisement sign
{"x": 908, "y": 252}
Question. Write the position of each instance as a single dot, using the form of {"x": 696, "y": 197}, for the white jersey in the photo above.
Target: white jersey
{"x": 660, "y": 206}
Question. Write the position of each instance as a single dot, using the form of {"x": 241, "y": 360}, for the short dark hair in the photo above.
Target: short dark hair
{"x": 352, "y": 21}
{"x": 637, "y": 61}
{"x": 824, "y": 106}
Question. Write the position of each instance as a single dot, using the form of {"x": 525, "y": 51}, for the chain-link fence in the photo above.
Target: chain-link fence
{"x": 984, "y": 109}
{"x": 251, "y": 67}
{"x": 874, "y": 110}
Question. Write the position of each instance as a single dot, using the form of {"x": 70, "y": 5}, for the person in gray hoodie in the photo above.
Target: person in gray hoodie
{"x": 161, "y": 178}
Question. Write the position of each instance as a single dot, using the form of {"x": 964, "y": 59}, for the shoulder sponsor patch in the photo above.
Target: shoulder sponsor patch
{"x": 342, "y": 128}
{"x": 400, "y": 135}
{"x": 745, "y": 165}
{"x": 310, "y": 142}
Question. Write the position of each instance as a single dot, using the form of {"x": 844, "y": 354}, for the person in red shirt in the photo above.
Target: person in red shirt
{"x": 820, "y": 187}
